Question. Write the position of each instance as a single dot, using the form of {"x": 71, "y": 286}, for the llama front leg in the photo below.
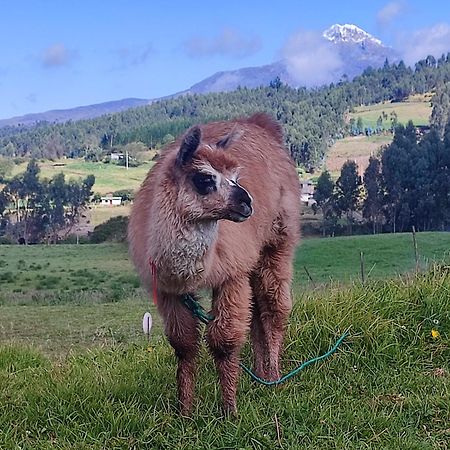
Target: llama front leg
{"x": 182, "y": 330}
{"x": 226, "y": 335}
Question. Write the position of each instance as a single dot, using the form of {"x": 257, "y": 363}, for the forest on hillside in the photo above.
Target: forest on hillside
{"x": 406, "y": 186}
{"x": 312, "y": 118}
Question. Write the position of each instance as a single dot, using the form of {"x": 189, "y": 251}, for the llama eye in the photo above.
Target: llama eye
{"x": 204, "y": 183}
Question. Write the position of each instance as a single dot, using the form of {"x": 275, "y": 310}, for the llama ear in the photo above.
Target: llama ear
{"x": 230, "y": 138}
{"x": 190, "y": 143}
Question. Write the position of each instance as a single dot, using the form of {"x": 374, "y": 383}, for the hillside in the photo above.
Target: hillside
{"x": 416, "y": 108}
{"x": 355, "y": 48}
{"x": 108, "y": 177}
{"x": 312, "y": 118}
{"x": 78, "y": 113}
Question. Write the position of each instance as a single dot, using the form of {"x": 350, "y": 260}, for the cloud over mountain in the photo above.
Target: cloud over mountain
{"x": 310, "y": 59}
{"x": 434, "y": 41}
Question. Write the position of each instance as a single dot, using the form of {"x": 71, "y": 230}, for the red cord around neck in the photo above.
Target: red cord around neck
{"x": 154, "y": 281}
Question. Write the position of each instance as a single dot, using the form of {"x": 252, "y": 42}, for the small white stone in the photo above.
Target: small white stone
{"x": 147, "y": 322}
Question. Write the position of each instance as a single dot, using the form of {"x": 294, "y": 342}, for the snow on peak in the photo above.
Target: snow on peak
{"x": 348, "y": 33}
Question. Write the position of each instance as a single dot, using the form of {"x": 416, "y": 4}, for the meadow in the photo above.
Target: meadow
{"x": 77, "y": 373}
{"x": 416, "y": 108}
{"x": 108, "y": 177}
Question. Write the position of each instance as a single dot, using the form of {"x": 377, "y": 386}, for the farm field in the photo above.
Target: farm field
{"x": 388, "y": 386}
{"x": 360, "y": 148}
{"x": 416, "y": 108}
{"x": 356, "y": 148}
{"x": 108, "y": 177}
{"x": 100, "y": 214}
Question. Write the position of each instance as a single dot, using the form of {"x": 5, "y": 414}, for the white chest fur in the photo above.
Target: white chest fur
{"x": 181, "y": 255}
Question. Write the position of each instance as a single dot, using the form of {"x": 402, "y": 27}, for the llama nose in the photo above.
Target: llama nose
{"x": 243, "y": 200}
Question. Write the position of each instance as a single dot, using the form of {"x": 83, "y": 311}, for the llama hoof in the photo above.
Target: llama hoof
{"x": 185, "y": 411}
{"x": 230, "y": 411}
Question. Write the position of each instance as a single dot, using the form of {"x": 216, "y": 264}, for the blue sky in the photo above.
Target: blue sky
{"x": 60, "y": 54}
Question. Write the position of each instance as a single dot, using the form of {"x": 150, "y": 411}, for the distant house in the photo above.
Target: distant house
{"x": 116, "y": 156}
{"x": 307, "y": 192}
{"x": 109, "y": 200}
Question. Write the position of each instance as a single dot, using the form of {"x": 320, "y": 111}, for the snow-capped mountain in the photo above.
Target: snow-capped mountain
{"x": 348, "y": 33}
{"x": 351, "y": 49}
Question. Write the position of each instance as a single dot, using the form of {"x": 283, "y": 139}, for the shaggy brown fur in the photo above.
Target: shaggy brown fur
{"x": 240, "y": 172}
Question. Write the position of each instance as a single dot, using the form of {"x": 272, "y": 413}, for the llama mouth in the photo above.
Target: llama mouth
{"x": 244, "y": 212}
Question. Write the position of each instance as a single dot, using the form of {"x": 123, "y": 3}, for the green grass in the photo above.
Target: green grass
{"x": 39, "y": 270}
{"x": 418, "y": 109}
{"x": 387, "y": 387}
{"x": 384, "y": 256}
{"x": 108, "y": 177}
{"x": 76, "y": 372}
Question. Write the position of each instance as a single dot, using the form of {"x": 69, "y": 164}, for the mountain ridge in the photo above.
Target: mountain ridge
{"x": 355, "y": 48}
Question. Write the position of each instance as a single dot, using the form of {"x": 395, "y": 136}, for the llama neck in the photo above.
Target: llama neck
{"x": 183, "y": 247}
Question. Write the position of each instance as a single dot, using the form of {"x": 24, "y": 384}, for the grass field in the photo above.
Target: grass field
{"x": 100, "y": 214}
{"x": 417, "y": 108}
{"x": 108, "y": 177}
{"x": 96, "y": 286}
{"x": 76, "y": 372}
{"x": 387, "y": 387}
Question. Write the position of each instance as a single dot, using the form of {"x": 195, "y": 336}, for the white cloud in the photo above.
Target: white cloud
{"x": 391, "y": 11}
{"x": 229, "y": 42}
{"x": 57, "y": 55}
{"x": 434, "y": 41}
{"x": 310, "y": 59}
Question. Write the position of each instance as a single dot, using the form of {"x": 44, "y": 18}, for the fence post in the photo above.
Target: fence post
{"x": 361, "y": 261}
{"x": 416, "y": 253}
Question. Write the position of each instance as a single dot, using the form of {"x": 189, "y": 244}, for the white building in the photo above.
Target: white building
{"x": 109, "y": 200}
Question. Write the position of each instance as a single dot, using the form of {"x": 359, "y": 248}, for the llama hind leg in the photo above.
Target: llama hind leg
{"x": 271, "y": 288}
{"x": 182, "y": 330}
{"x": 259, "y": 342}
{"x": 227, "y": 334}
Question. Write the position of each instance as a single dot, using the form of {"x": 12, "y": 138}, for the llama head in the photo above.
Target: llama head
{"x": 207, "y": 180}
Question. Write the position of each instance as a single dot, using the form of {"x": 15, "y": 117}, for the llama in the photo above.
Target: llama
{"x": 220, "y": 211}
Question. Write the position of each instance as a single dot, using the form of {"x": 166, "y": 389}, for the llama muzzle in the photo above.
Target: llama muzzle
{"x": 241, "y": 205}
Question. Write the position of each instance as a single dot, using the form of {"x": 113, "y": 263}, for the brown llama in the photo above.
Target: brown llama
{"x": 220, "y": 210}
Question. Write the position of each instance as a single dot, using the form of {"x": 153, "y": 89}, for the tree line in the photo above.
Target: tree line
{"x": 407, "y": 185}
{"x": 35, "y": 210}
{"x": 312, "y": 118}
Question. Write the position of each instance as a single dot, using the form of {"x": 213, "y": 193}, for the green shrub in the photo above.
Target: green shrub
{"x": 115, "y": 230}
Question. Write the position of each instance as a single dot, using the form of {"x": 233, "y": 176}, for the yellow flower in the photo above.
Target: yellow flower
{"x": 435, "y": 334}
{"x": 149, "y": 348}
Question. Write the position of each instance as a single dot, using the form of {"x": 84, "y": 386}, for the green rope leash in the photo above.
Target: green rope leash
{"x": 298, "y": 369}
{"x": 199, "y": 312}
{"x": 196, "y": 309}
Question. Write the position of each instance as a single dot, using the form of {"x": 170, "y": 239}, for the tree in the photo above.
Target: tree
{"x": 373, "y": 201}
{"x": 6, "y": 166}
{"x": 399, "y": 180}
{"x": 29, "y": 191}
{"x": 44, "y": 208}
{"x": 323, "y": 195}
{"x": 348, "y": 188}
{"x": 360, "y": 125}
